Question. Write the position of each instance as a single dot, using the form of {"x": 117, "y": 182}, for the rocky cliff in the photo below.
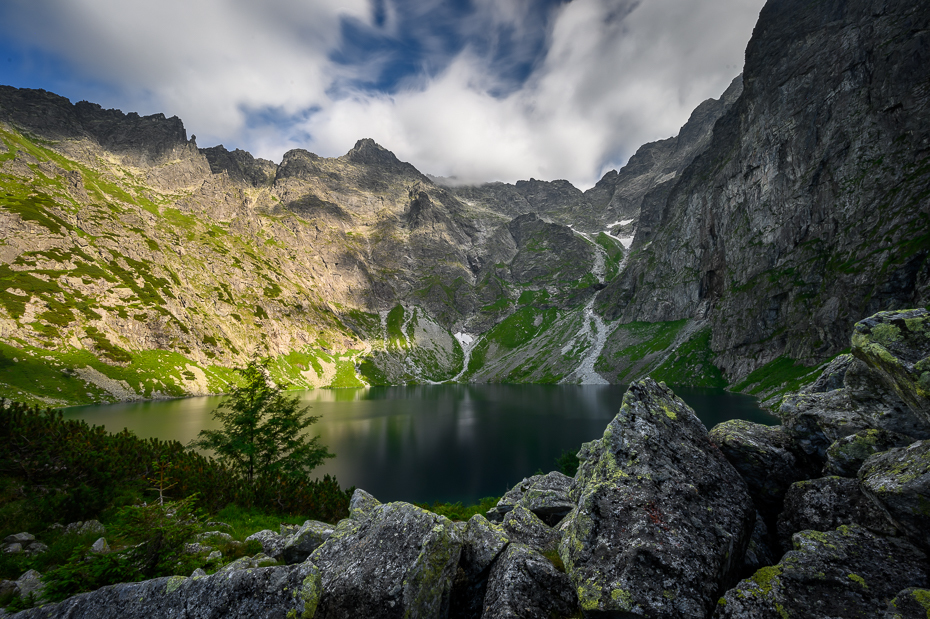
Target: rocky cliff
{"x": 809, "y": 209}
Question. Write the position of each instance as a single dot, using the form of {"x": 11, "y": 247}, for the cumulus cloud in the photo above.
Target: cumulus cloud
{"x": 508, "y": 89}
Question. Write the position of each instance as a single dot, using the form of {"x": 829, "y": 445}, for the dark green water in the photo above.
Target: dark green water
{"x": 436, "y": 442}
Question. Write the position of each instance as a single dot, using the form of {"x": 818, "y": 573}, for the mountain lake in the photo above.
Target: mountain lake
{"x": 433, "y": 442}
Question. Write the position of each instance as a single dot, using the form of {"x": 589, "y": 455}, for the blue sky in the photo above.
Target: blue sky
{"x": 480, "y": 90}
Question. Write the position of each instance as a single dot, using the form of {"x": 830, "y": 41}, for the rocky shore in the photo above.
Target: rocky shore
{"x": 825, "y": 515}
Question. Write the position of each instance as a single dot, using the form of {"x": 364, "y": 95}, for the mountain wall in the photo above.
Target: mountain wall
{"x": 810, "y": 208}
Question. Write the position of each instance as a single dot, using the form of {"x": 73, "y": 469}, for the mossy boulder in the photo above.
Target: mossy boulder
{"x": 817, "y": 420}
{"x": 909, "y": 604}
{"x": 899, "y": 481}
{"x": 398, "y": 561}
{"x": 526, "y": 585}
{"x": 305, "y": 540}
{"x": 846, "y": 456}
{"x": 663, "y": 519}
{"x": 278, "y": 591}
{"x": 849, "y": 572}
{"x": 826, "y": 503}
{"x": 523, "y": 526}
{"x": 549, "y": 497}
{"x": 897, "y": 345}
{"x": 482, "y": 541}
{"x": 362, "y": 504}
{"x": 766, "y": 457}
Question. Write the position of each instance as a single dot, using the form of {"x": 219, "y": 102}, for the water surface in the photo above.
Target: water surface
{"x": 433, "y": 442}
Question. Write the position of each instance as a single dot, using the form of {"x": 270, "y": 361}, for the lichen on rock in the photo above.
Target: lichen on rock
{"x": 663, "y": 520}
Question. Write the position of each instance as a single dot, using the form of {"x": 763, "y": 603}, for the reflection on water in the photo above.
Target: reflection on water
{"x": 432, "y": 442}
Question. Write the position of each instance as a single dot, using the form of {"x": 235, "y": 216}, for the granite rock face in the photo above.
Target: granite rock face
{"x": 310, "y": 536}
{"x": 846, "y": 456}
{"x": 262, "y": 592}
{"x": 398, "y": 561}
{"x": 766, "y": 458}
{"x": 789, "y": 225}
{"x": 825, "y": 503}
{"x": 897, "y": 346}
{"x": 524, "y": 584}
{"x": 909, "y": 604}
{"x": 849, "y": 573}
{"x": 663, "y": 520}
{"x": 899, "y": 481}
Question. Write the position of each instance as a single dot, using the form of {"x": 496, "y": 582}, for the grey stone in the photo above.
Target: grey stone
{"x": 482, "y": 542}
{"x": 198, "y": 573}
{"x": 399, "y": 561}
{"x": 248, "y": 563}
{"x": 911, "y": 603}
{"x": 30, "y": 583}
{"x": 36, "y": 548}
{"x": 523, "y": 526}
{"x": 549, "y": 497}
{"x": 279, "y": 591}
{"x": 305, "y": 540}
{"x": 663, "y": 520}
{"x": 19, "y": 538}
{"x": 214, "y": 556}
{"x": 846, "y": 456}
{"x": 899, "y": 482}
{"x": 897, "y": 345}
{"x": 524, "y": 584}
{"x": 13, "y": 549}
{"x": 767, "y": 459}
{"x": 832, "y": 376}
{"x": 362, "y": 505}
{"x": 196, "y": 548}
{"x": 272, "y": 543}
{"x": 825, "y": 503}
{"x": 214, "y": 537}
{"x": 849, "y": 573}
{"x": 100, "y": 546}
{"x": 511, "y": 498}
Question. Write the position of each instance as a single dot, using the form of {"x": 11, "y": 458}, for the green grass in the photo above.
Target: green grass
{"x": 654, "y": 337}
{"x": 781, "y": 375}
{"x": 395, "y": 324}
{"x": 691, "y": 365}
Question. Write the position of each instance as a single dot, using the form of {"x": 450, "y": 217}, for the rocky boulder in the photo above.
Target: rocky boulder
{"x": 549, "y": 497}
{"x": 817, "y": 420}
{"x": 280, "y": 591}
{"x": 398, "y": 561}
{"x": 525, "y": 585}
{"x": 521, "y": 525}
{"x": 482, "y": 544}
{"x": 768, "y": 460}
{"x": 899, "y": 481}
{"x": 272, "y": 543}
{"x": 909, "y": 604}
{"x": 824, "y": 504}
{"x": 663, "y": 520}
{"x": 305, "y": 540}
{"x": 897, "y": 345}
{"x": 849, "y": 573}
{"x": 846, "y": 456}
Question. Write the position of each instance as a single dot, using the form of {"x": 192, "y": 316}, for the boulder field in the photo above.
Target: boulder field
{"x": 825, "y": 515}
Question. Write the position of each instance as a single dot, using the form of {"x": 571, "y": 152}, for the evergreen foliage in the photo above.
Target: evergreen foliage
{"x": 262, "y": 436}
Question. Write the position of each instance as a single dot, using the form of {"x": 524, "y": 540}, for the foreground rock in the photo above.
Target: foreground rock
{"x": 768, "y": 460}
{"x": 846, "y": 456}
{"x": 897, "y": 345}
{"x": 547, "y": 496}
{"x": 817, "y": 420}
{"x": 849, "y": 573}
{"x": 899, "y": 481}
{"x": 524, "y": 584}
{"x": 395, "y": 560}
{"x": 247, "y": 593}
{"x": 826, "y": 503}
{"x": 663, "y": 520}
{"x": 909, "y": 604}
{"x": 310, "y": 536}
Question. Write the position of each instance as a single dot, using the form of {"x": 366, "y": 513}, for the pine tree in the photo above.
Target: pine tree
{"x": 262, "y": 436}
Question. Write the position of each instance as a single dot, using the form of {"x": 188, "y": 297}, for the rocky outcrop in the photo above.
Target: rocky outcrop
{"x": 846, "y": 456}
{"x": 807, "y": 211}
{"x": 767, "y": 458}
{"x": 300, "y": 544}
{"x": 896, "y": 345}
{"x": 826, "y": 503}
{"x": 909, "y": 604}
{"x": 548, "y": 496}
{"x": 662, "y": 520}
{"x": 398, "y": 561}
{"x": 524, "y": 584}
{"x": 848, "y": 573}
{"x": 898, "y": 481}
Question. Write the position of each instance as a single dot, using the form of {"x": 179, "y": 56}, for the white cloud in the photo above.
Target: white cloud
{"x": 615, "y": 74}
